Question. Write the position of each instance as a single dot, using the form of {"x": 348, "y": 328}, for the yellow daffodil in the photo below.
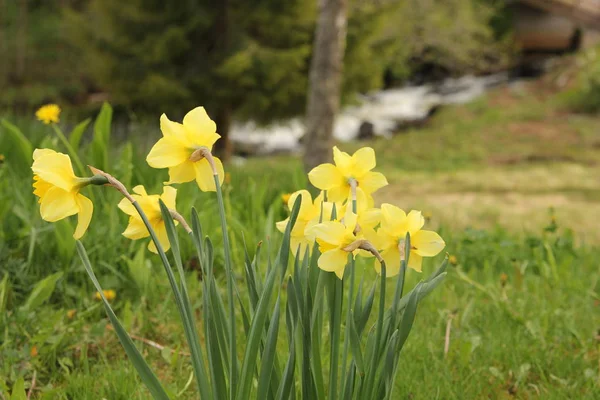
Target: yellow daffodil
{"x": 109, "y": 294}
{"x": 179, "y": 141}
{"x": 390, "y": 239}
{"x": 335, "y": 179}
{"x": 58, "y": 188}
{"x": 48, "y": 114}
{"x": 308, "y": 216}
{"x": 334, "y": 237}
{"x": 150, "y": 205}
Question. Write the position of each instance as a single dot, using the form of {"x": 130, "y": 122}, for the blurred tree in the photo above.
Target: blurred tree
{"x": 325, "y": 81}
{"x": 242, "y": 58}
{"x": 36, "y": 62}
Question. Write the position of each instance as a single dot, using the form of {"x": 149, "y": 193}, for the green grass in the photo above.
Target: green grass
{"x": 522, "y": 300}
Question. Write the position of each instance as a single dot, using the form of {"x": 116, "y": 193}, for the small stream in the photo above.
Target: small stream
{"x": 381, "y": 113}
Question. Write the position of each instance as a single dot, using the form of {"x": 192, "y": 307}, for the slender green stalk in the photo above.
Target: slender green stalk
{"x": 335, "y": 324}
{"x": 350, "y": 299}
{"x": 70, "y": 150}
{"x": 233, "y": 370}
{"x": 378, "y": 333}
{"x": 184, "y": 311}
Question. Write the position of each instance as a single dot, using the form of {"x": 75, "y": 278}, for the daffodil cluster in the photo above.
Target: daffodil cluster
{"x": 184, "y": 149}
{"x": 356, "y": 227}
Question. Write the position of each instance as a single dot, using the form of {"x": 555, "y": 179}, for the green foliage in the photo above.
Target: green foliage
{"x": 585, "y": 95}
{"x": 240, "y": 56}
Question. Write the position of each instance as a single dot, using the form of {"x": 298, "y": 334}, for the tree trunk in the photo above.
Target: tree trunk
{"x": 325, "y": 81}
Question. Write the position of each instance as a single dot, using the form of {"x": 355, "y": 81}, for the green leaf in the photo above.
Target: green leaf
{"x": 189, "y": 322}
{"x": 408, "y": 317}
{"x": 146, "y": 374}
{"x": 22, "y": 145}
{"x": 77, "y": 133}
{"x": 363, "y": 317}
{"x": 287, "y": 381}
{"x": 5, "y": 290}
{"x": 102, "y": 137}
{"x": 355, "y": 345}
{"x": 269, "y": 355}
{"x": 254, "y": 337}
{"x": 42, "y": 291}
{"x": 18, "y": 390}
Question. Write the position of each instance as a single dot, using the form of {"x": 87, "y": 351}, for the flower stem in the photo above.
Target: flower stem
{"x": 378, "y": 334}
{"x": 350, "y": 298}
{"x": 335, "y": 323}
{"x": 233, "y": 369}
{"x": 70, "y": 150}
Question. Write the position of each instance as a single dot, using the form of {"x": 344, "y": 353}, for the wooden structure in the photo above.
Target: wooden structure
{"x": 556, "y": 25}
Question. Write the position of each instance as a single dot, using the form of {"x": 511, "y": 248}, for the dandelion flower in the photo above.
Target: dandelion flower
{"x": 48, "y": 114}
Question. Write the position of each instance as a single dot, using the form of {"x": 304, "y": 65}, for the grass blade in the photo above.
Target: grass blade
{"x": 269, "y": 355}
{"x": 146, "y": 374}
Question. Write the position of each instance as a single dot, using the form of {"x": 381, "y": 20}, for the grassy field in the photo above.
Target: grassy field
{"x": 509, "y": 181}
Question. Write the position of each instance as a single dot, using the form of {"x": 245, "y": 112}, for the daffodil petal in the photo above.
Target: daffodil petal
{"x": 182, "y": 173}
{"x": 58, "y": 204}
{"x": 281, "y": 225}
{"x": 326, "y": 177}
{"x": 414, "y": 221}
{"x": 40, "y": 186}
{"x": 200, "y": 128}
{"x": 306, "y": 204}
{"x": 204, "y": 176}
{"x": 174, "y": 131}
{"x": 391, "y": 215}
{"x": 363, "y": 160}
{"x": 331, "y": 232}
{"x": 163, "y": 239}
{"x": 168, "y": 196}
{"x": 369, "y": 218}
{"x": 415, "y": 261}
{"x": 136, "y": 229}
{"x": 342, "y": 160}
{"x": 333, "y": 260}
{"x": 168, "y": 152}
{"x": 427, "y": 243}
{"x": 337, "y": 194}
{"x": 140, "y": 189}
{"x": 37, "y": 153}
{"x": 126, "y": 206}
{"x": 371, "y": 181}
{"x": 84, "y": 216}
{"x": 392, "y": 260}
{"x": 56, "y": 169}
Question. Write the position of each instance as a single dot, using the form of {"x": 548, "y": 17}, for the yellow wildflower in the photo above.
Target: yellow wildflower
{"x": 286, "y": 198}
{"x": 2, "y": 158}
{"x": 395, "y": 223}
{"x": 227, "y": 178}
{"x": 335, "y": 179}
{"x": 108, "y": 293}
{"x": 308, "y": 216}
{"x": 150, "y": 205}
{"x": 334, "y": 237}
{"x": 48, "y": 114}
{"x": 71, "y": 313}
{"x": 58, "y": 188}
{"x": 453, "y": 260}
{"x": 33, "y": 352}
{"x": 179, "y": 141}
